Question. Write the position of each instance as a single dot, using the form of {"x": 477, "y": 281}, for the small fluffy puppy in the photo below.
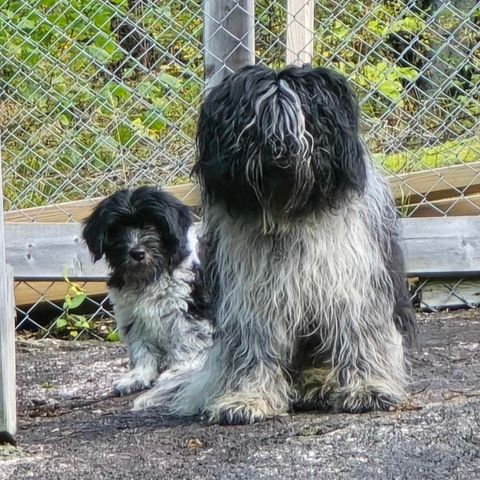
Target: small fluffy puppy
{"x": 150, "y": 244}
{"x": 310, "y": 302}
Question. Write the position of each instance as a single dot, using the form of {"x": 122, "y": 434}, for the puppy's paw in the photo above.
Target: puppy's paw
{"x": 133, "y": 381}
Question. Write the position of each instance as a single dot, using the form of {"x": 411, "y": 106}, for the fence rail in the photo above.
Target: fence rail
{"x": 100, "y": 94}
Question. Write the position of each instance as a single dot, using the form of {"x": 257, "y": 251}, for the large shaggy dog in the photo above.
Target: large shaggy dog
{"x": 150, "y": 245}
{"x": 307, "y": 279}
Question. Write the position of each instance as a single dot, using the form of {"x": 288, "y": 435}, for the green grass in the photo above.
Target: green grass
{"x": 453, "y": 152}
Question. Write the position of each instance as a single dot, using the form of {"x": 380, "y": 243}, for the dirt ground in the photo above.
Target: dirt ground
{"x": 71, "y": 428}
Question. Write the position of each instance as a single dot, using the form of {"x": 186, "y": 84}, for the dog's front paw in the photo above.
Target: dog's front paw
{"x": 241, "y": 409}
{"x": 365, "y": 398}
{"x": 133, "y": 381}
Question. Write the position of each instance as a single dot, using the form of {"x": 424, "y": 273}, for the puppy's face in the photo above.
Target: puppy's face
{"x": 142, "y": 233}
{"x": 135, "y": 250}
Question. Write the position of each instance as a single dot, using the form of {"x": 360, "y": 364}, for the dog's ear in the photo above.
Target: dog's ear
{"x": 95, "y": 227}
{"x": 171, "y": 218}
{"x": 173, "y": 225}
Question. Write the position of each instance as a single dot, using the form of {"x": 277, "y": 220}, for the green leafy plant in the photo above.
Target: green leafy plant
{"x": 71, "y": 325}
{"x": 69, "y": 322}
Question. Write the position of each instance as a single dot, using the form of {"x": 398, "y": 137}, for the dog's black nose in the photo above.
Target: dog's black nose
{"x": 137, "y": 254}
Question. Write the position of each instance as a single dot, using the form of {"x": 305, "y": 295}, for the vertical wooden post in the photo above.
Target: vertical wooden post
{"x": 8, "y": 412}
{"x": 300, "y": 31}
{"x": 229, "y": 37}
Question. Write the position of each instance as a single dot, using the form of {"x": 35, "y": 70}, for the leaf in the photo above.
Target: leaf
{"x": 77, "y": 300}
{"x": 145, "y": 89}
{"x": 75, "y": 289}
{"x": 99, "y": 54}
{"x": 66, "y": 303}
{"x": 137, "y": 123}
{"x": 154, "y": 119}
{"x": 81, "y": 322}
{"x": 61, "y": 323}
{"x": 73, "y": 333}
{"x": 26, "y": 24}
{"x": 113, "y": 92}
{"x": 113, "y": 337}
{"x": 376, "y": 27}
{"x": 408, "y": 72}
{"x": 390, "y": 89}
{"x": 64, "y": 120}
{"x": 170, "y": 81}
{"x": 124, "y": 135}
{"x": 47, "y": 3}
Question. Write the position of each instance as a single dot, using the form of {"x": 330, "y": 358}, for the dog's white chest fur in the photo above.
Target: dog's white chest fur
{"x": 153, "y": 308}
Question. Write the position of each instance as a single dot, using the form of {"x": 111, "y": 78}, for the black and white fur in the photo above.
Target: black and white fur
{"x": 150, "y": 245}
{"x": 310, "y": 304}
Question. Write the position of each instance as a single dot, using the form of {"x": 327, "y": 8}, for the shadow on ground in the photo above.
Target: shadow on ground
{"x": 70, "y": 428}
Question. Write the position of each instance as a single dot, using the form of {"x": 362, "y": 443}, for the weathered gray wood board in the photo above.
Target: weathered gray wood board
{"x": 8, "y": 412}
{"x": 8, "y": 408}
{"x": 441, "y": 247}
{"x": 49, "y": 251}
{"x": 433, "y": 247}
{"x": 450, "y": 293}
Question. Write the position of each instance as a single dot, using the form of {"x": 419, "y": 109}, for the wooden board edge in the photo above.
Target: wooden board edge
{"x": 32, "y": 292}
{"x": 78, "y": 210}
{"x": 8, "y": 407}
{"x": 434, "y": 180}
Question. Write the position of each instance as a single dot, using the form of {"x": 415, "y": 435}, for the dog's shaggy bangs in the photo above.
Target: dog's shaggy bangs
{"x": 285, "y": 142}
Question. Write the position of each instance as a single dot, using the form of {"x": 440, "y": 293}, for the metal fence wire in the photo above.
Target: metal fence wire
{"x": 97, "y": 94}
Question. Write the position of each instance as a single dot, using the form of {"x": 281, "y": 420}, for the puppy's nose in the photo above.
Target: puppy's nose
{"x": 137, "y": 254}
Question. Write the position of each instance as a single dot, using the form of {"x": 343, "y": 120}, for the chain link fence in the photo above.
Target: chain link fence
{"x": 96, "y": 95}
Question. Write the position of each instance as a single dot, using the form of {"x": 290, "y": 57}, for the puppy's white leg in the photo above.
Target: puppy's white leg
{"x": 144, "y": 372}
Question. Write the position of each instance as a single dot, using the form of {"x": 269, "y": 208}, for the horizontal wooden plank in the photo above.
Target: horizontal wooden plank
{"x": 435, "y": 180}
{"x": 46, "y": 251}
{"x": 451, "y": 206}
{"x": 78, "y": 210}
{"x": 432, "y": 246}
{"x": 444, "y": 246}
{"x": 448, "y": 293}
{"x": 31, "y": 292}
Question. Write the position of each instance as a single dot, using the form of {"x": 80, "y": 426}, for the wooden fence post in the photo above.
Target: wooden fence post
{"x": 8, "y": 412}
{"x": 229, "y": 37}
{"x": 300, "y": 33}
